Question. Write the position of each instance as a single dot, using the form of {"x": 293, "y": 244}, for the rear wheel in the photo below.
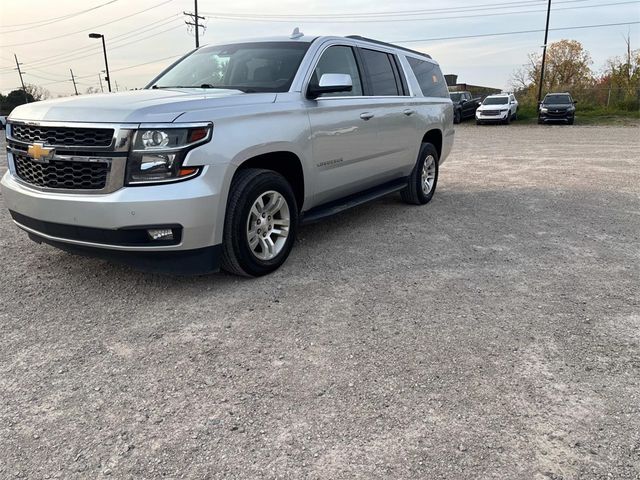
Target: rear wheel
{"x": 260, "y": 224}
{"x": 424, "y": 177}
{"x": 457, "y": 116}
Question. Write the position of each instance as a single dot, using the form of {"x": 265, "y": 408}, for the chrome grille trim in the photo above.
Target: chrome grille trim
{"x": 115, "y": 155}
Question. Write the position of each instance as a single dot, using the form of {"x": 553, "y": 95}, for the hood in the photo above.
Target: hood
{"x": 503, "y": 106}
{"x": 557, "y": 106}
{"x": 137, "y": 106}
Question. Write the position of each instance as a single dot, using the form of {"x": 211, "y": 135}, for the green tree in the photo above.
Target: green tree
{"x": 13, "y": 99}
{"x": 621, "y": 79}
{"x": 567, "y": 68}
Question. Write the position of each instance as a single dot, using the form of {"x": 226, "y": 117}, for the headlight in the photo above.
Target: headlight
{"x": 544, "y": 109}
{"x": 159, "y": 151}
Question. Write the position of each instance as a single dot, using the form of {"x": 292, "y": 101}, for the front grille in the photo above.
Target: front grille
{"x": 557, "y": 113}
{"x": 491, "y": 113}
{"x": 63, "y": 136}
{"x": 63, "y": 174}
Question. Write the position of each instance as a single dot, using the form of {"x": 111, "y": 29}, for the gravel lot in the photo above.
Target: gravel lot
{"x": 494, "y": 333}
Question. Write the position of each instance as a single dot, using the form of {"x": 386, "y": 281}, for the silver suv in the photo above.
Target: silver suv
{"x": 223, "y": 155}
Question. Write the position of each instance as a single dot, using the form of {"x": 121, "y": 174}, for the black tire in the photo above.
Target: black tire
{"x": 515, "y": 115}
{"x": 507, "y": 120}
{"x": 478, "y": 122}
{"x": 247, "y": 185}
{"x": 540, "y": 121}
{"x": 571, "y": 121}
{"x": 413, "y": 192}
{"x": 457, "y": 116}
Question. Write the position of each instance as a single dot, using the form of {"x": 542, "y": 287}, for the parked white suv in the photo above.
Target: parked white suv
{"x": 226, "y": 152}
{"x": 499, "y": 108}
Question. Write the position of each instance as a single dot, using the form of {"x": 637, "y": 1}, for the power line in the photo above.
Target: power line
{"x": 111, "y": 48}
{"x": 414, "y": 19}
{"x": 486, "y": 6}
{"x": 85, "y": 52}
{"x": 86, "y": 29}
{"x": 48, "y": 21}
{"x": 52, "y": 82}
{"x": 515, "y": 33}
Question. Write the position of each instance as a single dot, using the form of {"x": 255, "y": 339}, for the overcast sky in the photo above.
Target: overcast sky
{"x": 27, "y": 28}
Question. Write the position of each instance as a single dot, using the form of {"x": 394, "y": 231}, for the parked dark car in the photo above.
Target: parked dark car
{"x": 464, "y": 105}
{"x": 557, "y": 107}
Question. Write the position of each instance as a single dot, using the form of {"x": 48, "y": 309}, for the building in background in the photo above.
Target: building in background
{"x": 476, "y": 90}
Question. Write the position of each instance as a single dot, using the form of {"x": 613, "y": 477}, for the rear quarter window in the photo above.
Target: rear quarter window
{"x": 429, "y": 78}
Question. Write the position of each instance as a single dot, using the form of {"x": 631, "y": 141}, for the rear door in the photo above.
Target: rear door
{"x": 394, "y": 116}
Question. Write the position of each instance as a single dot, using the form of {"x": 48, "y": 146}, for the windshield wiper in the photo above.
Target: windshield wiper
{"x": 208, "y": 85}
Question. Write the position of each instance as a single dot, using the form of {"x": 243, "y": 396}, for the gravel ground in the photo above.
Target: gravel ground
{"x": 494, "y": 333}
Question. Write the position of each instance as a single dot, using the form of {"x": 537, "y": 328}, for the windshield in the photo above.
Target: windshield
{"x": 249, "y": 67}
{"x": 456, "y": 97}
{"x": 496, "y": 101}
{"x": 557, "y": 100}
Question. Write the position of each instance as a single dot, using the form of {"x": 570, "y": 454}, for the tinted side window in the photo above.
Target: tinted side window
{"x": 339, "y": 59}
{"x": 382, "y": 79}
{"x": 429, "y": 77}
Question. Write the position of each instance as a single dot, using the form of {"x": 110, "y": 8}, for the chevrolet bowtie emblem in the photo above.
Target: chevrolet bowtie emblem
{"x": 40, "y": 153}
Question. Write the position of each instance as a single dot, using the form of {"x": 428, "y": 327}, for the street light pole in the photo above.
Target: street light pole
{"x": 106, "y": 63}
{"x": 544, "y": 52}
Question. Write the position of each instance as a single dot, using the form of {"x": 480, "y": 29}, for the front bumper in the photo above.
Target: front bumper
{"x": 74, "y": 221}
{"x": 556, "y": 117}
{"x": 483, "y": 117}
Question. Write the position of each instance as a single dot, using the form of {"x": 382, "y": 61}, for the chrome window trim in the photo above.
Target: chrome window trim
{"x": 340, "y": 43}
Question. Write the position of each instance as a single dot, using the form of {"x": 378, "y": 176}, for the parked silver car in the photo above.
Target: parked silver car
{"x": 220, "y": 158}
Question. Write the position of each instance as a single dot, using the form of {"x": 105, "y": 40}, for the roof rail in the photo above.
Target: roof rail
{"x": 371, "y": 40}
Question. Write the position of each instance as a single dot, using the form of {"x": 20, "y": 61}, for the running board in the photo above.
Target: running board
{"x": 336, "y": 206}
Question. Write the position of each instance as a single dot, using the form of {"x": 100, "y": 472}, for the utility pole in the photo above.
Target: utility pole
{"x": 73, "y": 79}
{"x": 544, "y": 52}
{"x": 26, "y": 97}
{"x": 195, "y": 17}
{"x": 101, "y": 87}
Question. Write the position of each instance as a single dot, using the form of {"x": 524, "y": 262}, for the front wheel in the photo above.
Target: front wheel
{"x": 423, "y": 179}
{"x": 260, "y": 224}
{"x": 457, "y": 116}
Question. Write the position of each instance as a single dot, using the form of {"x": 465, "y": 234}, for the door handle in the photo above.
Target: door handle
{"x": 408, "y": 112}
{"x": 366, "y": 116}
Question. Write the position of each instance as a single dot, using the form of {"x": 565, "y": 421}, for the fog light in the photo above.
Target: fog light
{"x": 160, "y": 234}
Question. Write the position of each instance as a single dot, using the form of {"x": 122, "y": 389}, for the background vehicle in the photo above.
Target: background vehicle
{"x": 225, "y": 153}
{"x": 3, "y": 122}
{"x": 464, "y": 105}
{"x": 499, "y": 108}
{"x": 557, "y": 107}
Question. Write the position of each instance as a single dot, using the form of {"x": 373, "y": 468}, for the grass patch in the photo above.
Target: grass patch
{"x": 588, "y": 115}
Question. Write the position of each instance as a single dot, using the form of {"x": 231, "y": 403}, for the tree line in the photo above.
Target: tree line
{"x": 568, "y": 69}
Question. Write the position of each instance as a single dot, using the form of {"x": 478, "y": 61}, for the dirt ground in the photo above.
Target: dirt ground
{"x": 494, "y": 333}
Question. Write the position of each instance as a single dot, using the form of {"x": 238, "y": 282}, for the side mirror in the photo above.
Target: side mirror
{"x": 575, "y": 101}
{"x": 330, "y": 83}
